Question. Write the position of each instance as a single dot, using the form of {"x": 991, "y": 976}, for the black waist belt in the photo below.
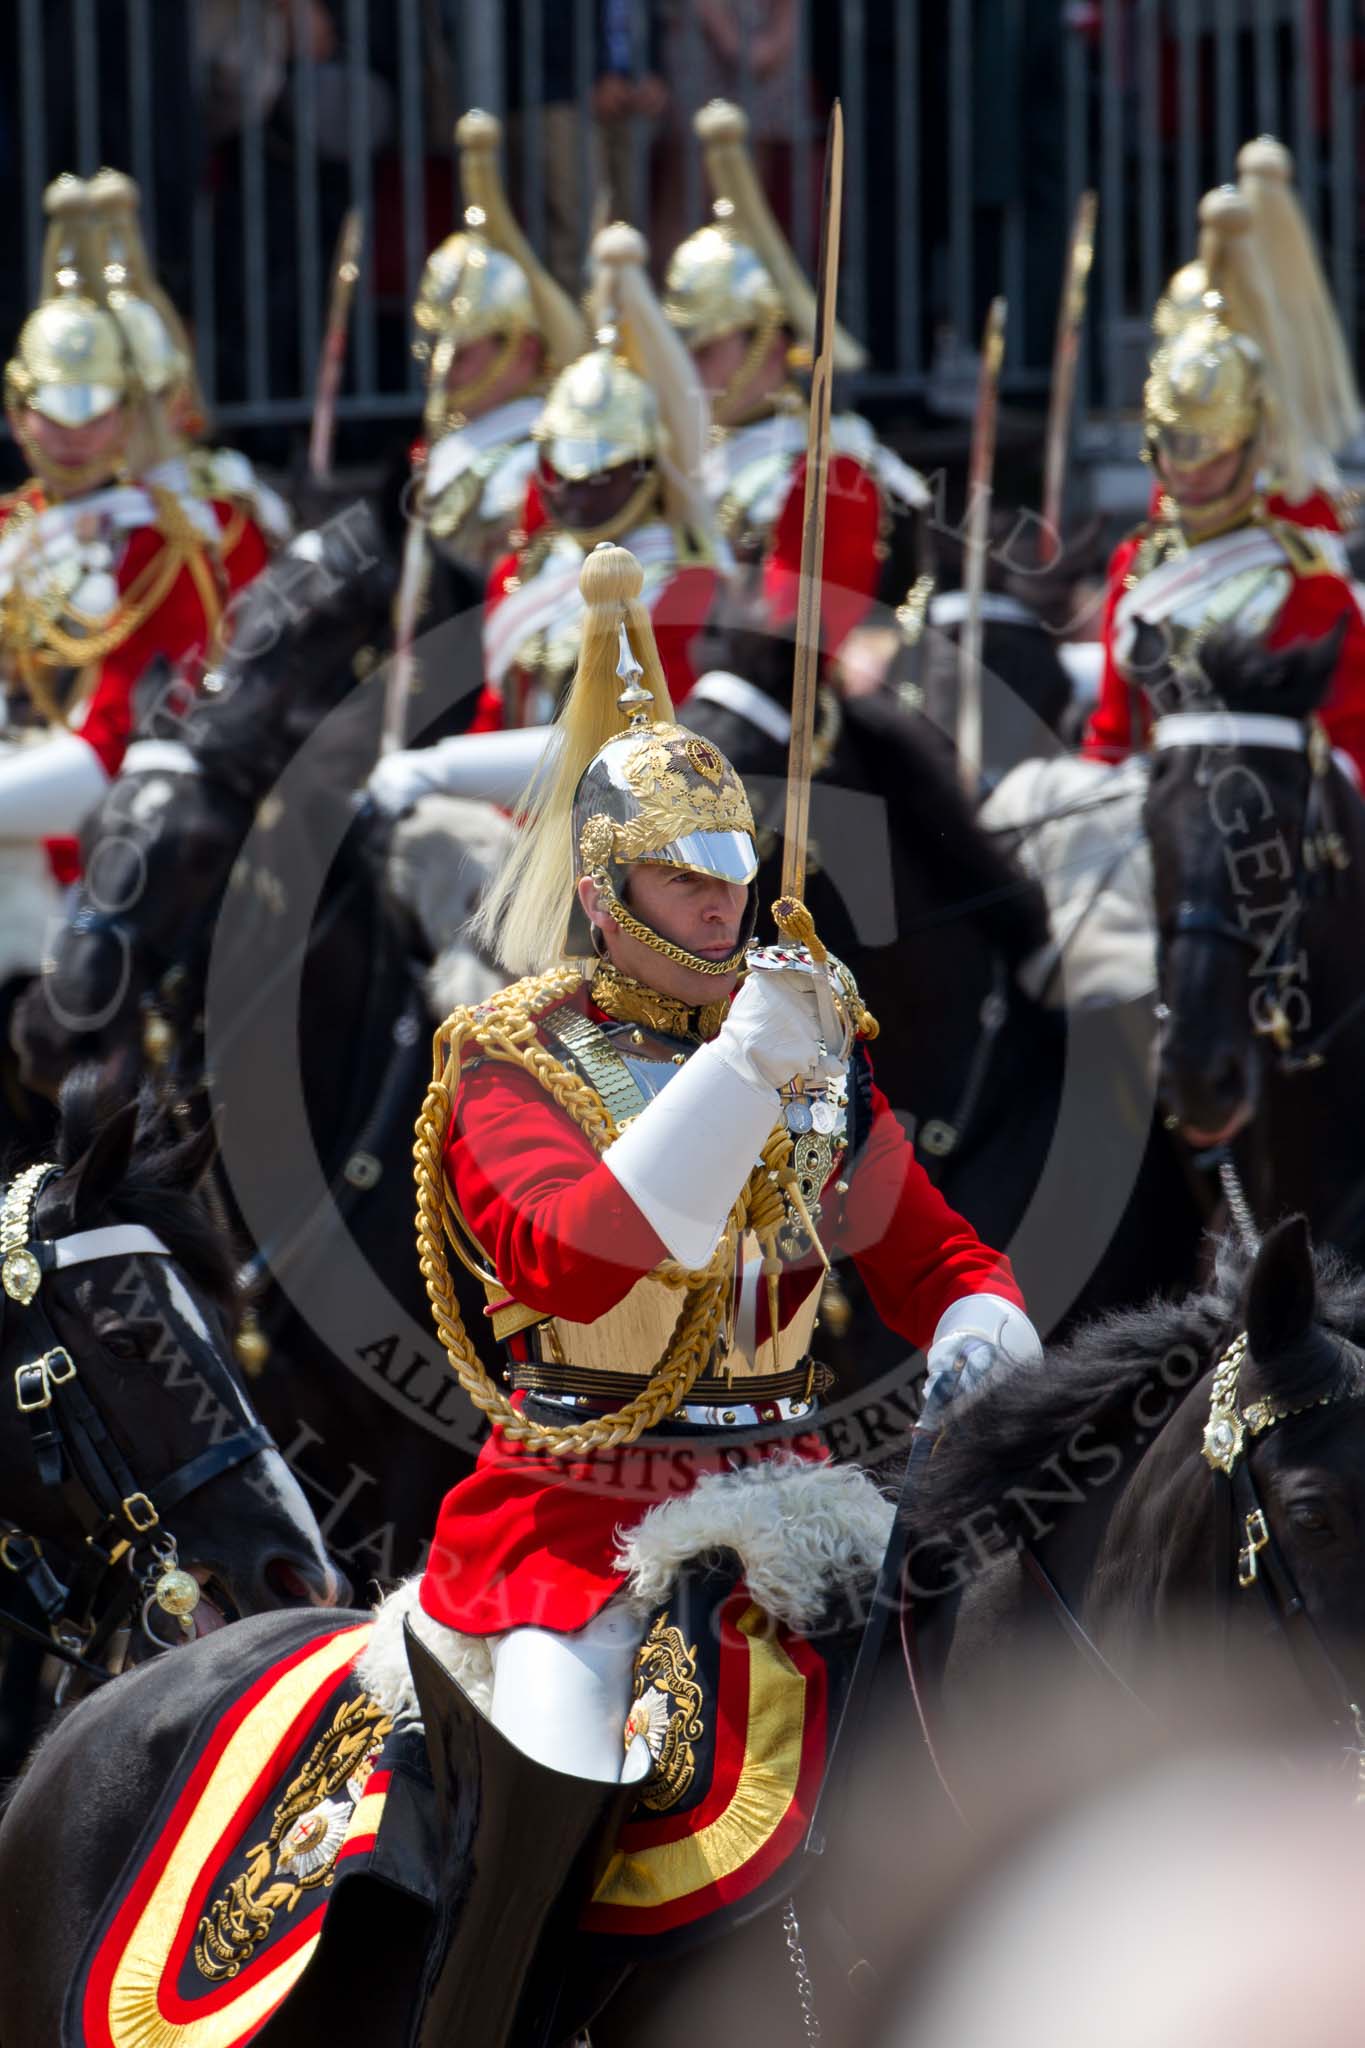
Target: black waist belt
{"x": 807, "y": 1380}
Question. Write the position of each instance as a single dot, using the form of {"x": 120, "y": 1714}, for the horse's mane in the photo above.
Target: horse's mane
{"x": 1025, "y": 1415}
{"x": 302, "y": 627}
{"x": 906, "y": 762}
{"x": 156, "y": 1190}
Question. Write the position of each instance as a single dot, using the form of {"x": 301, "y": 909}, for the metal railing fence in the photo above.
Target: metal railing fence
{"x": 973, "y": 125}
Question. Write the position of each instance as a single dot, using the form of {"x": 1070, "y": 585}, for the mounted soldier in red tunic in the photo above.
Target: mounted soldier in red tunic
{"x": 647, "y": 1148}
{"x": 738, "y": 299}
{"x": 110, "y": 558}
{"x": 1243, "y": 412}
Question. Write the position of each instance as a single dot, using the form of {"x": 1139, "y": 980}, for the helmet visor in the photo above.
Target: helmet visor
{"x": 731, "y": 856}
{"x": 74, "y": 405}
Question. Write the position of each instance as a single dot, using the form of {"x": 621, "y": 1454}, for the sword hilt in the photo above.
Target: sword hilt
{"x": 796, "y": 924}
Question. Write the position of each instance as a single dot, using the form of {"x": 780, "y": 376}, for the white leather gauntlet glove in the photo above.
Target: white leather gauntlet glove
{"x": 49, "y": 789}
{"x": 492, "y": 766}
{"x": 973, "y": 1334}
{"x": 773, "y": 1031}
{"x": 686, "y": 1156}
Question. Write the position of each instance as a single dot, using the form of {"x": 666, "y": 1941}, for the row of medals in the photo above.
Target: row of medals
{"x": 817, "y": 1124}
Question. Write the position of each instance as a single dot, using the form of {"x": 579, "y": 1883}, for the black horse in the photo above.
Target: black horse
{"x": 1258, "y": 855}
{"x": 229, "y": 875}
{"x": 1095, "y": 1460}
{"x": 1193, "y": 1467}
{"x": 129, "y": 1442}
{"x": 1036, "y": 1125}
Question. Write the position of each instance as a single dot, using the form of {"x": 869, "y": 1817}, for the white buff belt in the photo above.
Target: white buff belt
{"x": 1185, "y": 579}
{"x": 551, "y": 601}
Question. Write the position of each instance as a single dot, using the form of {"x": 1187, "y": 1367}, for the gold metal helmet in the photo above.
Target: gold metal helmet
{"x": 71, "y": 363}
{"x": 716, "y": 285}
{"x": 1205, "y": 394}
{"x": 1231, "y": 283}
{"x": 598, "y": 414}
{"x": 614, "y": 797}
{"x": 741, "y": 212}
{"x": 486, "y": 280}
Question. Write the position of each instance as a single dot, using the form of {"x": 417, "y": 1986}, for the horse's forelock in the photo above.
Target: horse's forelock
{"x": 157, "y": 1189}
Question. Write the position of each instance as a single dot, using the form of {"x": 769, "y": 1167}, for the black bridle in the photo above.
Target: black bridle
{"x": 1321, "y": 858}
{"x": 1247, "y": 1553}
{"x": 77, "y": 1456}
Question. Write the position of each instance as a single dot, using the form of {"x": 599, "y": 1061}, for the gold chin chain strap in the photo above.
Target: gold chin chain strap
{"x": 504, "y": 1028}
{"x": 633, "y": 928}
{"x": 754, "y": 356}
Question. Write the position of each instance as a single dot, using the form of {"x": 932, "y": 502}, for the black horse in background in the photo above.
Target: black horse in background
{"x": 1258, "y": 856}
{"x": 1037, "y": 1125}
{"x": 129, "y": 1441}
{"x": 236, "y": 844}
{"x": 1083, "y": 1503}
{"x": 1092, "y": 1460}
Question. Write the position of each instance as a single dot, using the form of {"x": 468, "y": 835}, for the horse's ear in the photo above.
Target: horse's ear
{"x": 1282, "y": 1295}
{"x": 102, "y": 1167}
{"x": 197, "y": 1154}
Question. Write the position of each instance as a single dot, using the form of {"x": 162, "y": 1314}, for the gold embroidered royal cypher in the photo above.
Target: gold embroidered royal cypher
{"x": 667, "y": 1712}
{"x": 306, "y": 1834}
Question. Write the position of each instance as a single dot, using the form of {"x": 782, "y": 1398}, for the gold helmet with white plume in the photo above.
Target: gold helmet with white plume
{"x": 77, "y": 360}
{"x": 626, "y": 784}
{"x": 486, "y": 281}
{"x": 738, "y": 274}
{"x": 1218, "y": 379}
{"x": 634, "y": 398}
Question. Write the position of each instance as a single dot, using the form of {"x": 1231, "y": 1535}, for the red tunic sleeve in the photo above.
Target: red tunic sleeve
{"x": 246, "y": 551}
{"x": 179, "y": 630}
{"x": 565, "y": 1239}
{"x": 852, "y": 559}
{"x": 677, "y": 616}
{"x": 915, "y": 1252}
{"x": 559, "y": 1230}
{"x": 1109, "y": 733}
{"x": 1314, "y": 606}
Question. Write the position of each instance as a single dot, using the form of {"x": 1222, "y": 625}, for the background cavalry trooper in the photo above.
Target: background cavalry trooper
{"x": 258, "y": 519}
{"x": 109, "y": 560}
{"x": 640, "y": 1147}
{"x": 1240, "y": 438}
{"x": 493, "y": 328}
{"x": 736, "y": 295}
{"x": 621, "y": 441}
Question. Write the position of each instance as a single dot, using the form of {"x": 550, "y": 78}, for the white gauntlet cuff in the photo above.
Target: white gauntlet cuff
{"x": 688, "y": 1153}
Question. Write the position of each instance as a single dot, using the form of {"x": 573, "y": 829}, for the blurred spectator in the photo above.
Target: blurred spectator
{"x": 615, "y": 63}
{"x": 744, "y": 50}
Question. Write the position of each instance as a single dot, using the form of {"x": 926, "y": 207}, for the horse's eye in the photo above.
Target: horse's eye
{"x": 1308, "y": 1520}
{"x": 122, "y": 1342}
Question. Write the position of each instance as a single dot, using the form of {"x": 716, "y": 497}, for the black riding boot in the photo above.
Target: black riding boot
{"x": 522, "y": 1847}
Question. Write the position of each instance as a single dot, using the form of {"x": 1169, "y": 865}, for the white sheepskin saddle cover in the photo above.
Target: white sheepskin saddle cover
{"x": 801, "y": 1532}
{"x": 1093, "y": 861}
